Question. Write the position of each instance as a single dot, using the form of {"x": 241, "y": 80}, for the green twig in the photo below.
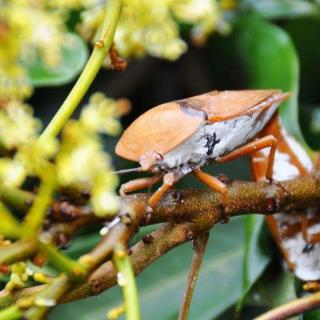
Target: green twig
{"x": 48, "y": 298}
{"x": 17, "y": 251}
{"x": 126, "y": 280}
{"x": 11, "y": 313}
{"x": 36, "y": 214}
{"x": 74, "y": 269}
{"x": 16, "y": 198}
{"x": 106, "y": 35}
{"x": 9, "y": 226}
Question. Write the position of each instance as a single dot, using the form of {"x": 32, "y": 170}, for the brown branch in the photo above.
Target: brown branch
{"x": 193, "y": 212}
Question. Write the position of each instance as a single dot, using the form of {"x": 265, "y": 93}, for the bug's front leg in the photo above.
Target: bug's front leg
{"x": 269, "y": 141}
{"x": 138, "y": 184}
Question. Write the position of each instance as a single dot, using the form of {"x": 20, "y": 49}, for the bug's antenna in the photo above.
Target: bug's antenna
{"x": 124, "y": 171}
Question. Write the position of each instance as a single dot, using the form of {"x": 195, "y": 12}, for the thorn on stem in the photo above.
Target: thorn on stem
{"x": 147, "y": 239}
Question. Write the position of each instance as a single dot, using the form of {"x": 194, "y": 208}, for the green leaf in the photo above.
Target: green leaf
{"x": 74, "y": 56}
{"x": 305, "y": 35}
{"x": 275, "y": 288}
{"x": 256, "y": 256}
{"x": 271, "y": 61}
{"x": 312, "y": 315}
{"x": 275, "y": 9}
{"x": 161, "y": 285}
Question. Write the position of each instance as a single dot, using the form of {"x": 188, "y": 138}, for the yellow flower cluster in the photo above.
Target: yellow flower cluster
{"x": 17, "y": 125}
{"x": 18, "y": 277}
{"x": 102, "y": 114}
{"x": 151, "y": 26}
{"x": 81, "y": 161}
{"x": 27, "y": 31}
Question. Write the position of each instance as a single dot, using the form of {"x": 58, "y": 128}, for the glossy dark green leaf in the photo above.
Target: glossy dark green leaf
{"x": 310, "y": 122}
{"x": 312, "y": 315}
{"x": 275, "y": 9}
{"x": 74, "y": 56}
{"x": 271, "y": 61}
{"x": 161, "y": 285}
{"x": 275, "y": 288}
{"x": 256, "y": 256}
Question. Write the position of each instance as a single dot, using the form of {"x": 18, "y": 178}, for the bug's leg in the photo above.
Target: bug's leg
{"x": 307, "y": 237}
{"x": 277, "y": 235}
{"x": 213, "y": 183}
{"x": 169, "y": 179}
{"x": 138, "y": 184}
{"x": 312, "y": 286}
{"x": 265, "y": 142}
{"x": 199, "y": 246}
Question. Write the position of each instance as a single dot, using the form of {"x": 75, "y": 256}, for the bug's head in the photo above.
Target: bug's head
{"x": 149, "y": 161}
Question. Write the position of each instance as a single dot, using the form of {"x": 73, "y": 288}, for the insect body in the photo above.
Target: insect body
{"x": 179, "y": 137}
{"x": 296, "y": 233}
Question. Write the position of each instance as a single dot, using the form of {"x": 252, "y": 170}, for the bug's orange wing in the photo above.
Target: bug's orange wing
{"x": 222, "y": 105}
{"x": 160, "y": 129}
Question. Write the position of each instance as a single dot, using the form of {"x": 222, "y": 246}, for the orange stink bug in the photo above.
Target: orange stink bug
{"x": 182, "y": 136}
{"x": 297, "y": 233}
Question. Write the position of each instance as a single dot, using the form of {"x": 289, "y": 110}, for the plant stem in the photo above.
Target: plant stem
{"x": 199, "y": 247}
{"x": 126, "y": 280}
{"x": 10, "y": 226}
{"x": 74, "y": 269}
{"x": 292, "y": 308}
{"x": 36, "y": 214}
{"x": 107, "y": 31}
{"x": 16, "y": 198}
{"x": 17, "y": 251}
{"x": 11, "y": 313}
{"x": 48, "y": 297}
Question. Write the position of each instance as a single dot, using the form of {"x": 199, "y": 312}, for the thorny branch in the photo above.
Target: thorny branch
{"x": 185, "y": 214}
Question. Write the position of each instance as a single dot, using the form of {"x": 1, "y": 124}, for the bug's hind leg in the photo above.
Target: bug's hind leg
{"x": 307, "y": 237}
{"x": 169, "y": 179}
{"x": 199, "y": 246}
{"x": 138, "y": 184}
{"x": 269, "y": 141}
{"x": 213, "y": 183}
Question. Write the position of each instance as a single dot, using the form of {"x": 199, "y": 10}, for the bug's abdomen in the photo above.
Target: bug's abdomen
{"x": 290, "y": 161}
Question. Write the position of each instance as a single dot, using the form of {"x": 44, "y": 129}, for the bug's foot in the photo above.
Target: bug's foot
{"x": 312, "y": 286}
{"x": 279, "y": 185}
{"x": 224, "y": 204}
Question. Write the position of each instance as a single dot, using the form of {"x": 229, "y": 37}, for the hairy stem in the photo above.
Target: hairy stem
{"x": 199, "y": 247}
{"x": 113, "y": 9}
